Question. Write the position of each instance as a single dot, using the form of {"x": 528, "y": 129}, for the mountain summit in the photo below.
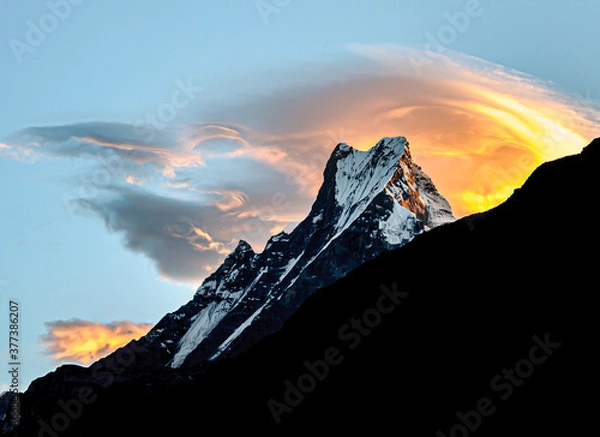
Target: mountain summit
{"x": 370, "y": 201}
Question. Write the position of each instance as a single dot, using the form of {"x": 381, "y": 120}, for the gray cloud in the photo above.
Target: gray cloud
{"x": 184, "y": 204}
{"x": 189, "y": 229}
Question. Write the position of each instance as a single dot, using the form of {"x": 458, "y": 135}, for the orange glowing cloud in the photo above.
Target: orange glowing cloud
{"x": 478, "y": 129}
{"x": 84, "y": 342}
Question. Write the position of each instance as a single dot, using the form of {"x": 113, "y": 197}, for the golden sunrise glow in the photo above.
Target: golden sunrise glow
{"x": 482, "y": 202}
{"x": 478, "y": 134}
{"x": 481, "y": 144}
{"x": 84, "y": 342}
{"x": 477, "y": 128}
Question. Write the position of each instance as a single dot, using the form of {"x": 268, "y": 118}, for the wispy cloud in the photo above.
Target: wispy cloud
{"x": 477, "y": 128}
{"x": 249, "y": 170}
{"x": 83, "y": 342}
{"x": 175, "y": 233}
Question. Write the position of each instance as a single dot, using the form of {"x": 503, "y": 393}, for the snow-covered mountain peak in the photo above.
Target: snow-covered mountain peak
{"x": 242, "y": 246}
{"x": 342, "y": 149}
{"x": 390, "y": 145}
{"x": 361, "y": 175}
{"x": 370, "y": 201}
{"x": 239, "y": 258}
{"x": 385, "y": 145}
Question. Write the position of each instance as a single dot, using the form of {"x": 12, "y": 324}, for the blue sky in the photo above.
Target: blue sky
{"x": 110, "y": 217}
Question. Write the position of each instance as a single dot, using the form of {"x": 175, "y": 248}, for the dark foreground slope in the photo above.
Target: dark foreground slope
{"x": 494, "y": 312}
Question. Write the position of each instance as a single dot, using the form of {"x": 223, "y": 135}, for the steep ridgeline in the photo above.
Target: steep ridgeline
{"x": 369, "y": 202}
{"x": 483, "y": 327}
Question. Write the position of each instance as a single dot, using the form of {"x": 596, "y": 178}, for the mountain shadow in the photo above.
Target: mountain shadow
{"x": 485, "y": 326}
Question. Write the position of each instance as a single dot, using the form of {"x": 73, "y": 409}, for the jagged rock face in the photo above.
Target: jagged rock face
{"x": 6, "y": 418}
{"x": 217, "y": 295}
{"x": 369, "y": 202}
